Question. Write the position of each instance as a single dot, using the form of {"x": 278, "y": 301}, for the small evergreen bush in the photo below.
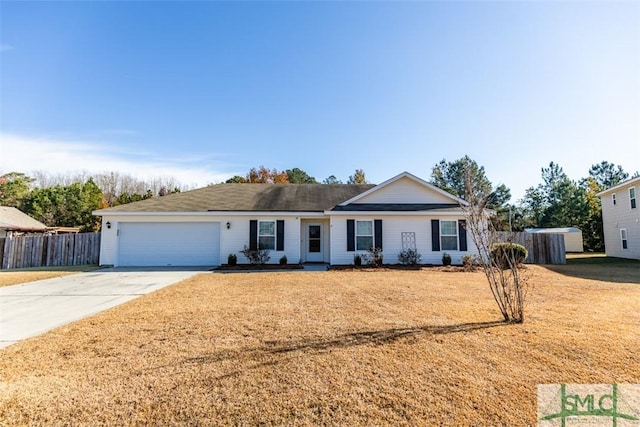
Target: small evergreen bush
{"x": 446, "y": 259}
{"x": 283, "y": 260}
{"x": 232, "y": 259}
{"x": 508, "y": 255}
{"x": 357, "y": 260}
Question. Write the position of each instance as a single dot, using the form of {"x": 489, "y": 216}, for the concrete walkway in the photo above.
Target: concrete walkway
{"x": 33, "y": 308}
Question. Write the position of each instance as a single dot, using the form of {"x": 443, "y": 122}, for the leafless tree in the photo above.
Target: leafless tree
{"x": 501, "y": 261}
{"x": 112, "y": 184}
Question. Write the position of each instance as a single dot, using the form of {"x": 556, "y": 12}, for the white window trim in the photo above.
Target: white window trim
{"x": 634, "y": 198}
{"x": 449, "y": 235}
{"x": 268, "y": 235}
{"x": 613, "y": 199}
{"x": 624, "y": 237}
{"x": 364, "y": 235}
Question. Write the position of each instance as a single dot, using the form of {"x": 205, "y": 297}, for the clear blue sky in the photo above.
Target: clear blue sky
{"x": 205, "y": 90}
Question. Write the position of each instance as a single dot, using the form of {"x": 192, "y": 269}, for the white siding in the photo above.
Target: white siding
{"x": 405, "y": 190}
{"x": 232, "y": 240}
{"x": 109, "y": 238}
{"x": 237, "y": 237}
{"x": 619, "y": 216}
{"x": 168, "y": 244}
{"x": 392, "y": 229}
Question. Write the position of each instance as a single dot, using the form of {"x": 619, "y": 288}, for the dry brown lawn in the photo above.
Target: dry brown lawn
{"x": 339, "y": 348}
{"x": 16, "y": 277}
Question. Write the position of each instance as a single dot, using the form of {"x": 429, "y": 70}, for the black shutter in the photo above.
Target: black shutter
{"x": 253, "y": 234}
{"x": 435, "y": 235}
{"x": 280, "y": 235}
{"x": 462, "y": 234}
{"x": 377, "y": 233}
{"x": 351, "y": 235}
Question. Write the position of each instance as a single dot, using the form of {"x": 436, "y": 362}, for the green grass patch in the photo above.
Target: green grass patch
{"x": 598, "y": 266}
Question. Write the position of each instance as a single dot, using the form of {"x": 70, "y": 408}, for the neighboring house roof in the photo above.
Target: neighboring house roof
{"x": 14, "y": 219}
{"x": 553, "y": 230}
{"x": 248, "y": 198}
{"x": 631, "y": 181}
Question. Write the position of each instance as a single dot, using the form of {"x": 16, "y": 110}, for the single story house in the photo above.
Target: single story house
{"x": 621, "y": 219}
{"x": 572, "y": 236}
{"x": 326, "y": 223}
{"x": 14, "y": 221}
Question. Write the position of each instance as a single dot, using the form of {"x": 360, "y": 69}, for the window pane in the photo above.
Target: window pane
{"x": 632, "y": 193}
{"x": 449, "y": 243}
{"x": 448, "y": 228}
{"x": 314, "y": 245}
{"x": 267, "y": 242}
{"x": 364, "y": 243}
{"x": 314, "y": 231}
{"x": 267, "y": 228}
{"x": 364, "y": 228}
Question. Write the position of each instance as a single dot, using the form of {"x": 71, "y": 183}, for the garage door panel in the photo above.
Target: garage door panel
{"x": 168, "y": 244}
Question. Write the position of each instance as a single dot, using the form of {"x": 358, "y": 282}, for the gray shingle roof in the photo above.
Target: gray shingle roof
{"x": 12, "y": 218}
{"x": 249, "y": 197}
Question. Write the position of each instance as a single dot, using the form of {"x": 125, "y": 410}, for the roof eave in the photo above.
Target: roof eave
{"x": 617, "y": 187}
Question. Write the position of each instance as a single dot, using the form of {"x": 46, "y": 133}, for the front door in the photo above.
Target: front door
{"x": 314, "y": 243}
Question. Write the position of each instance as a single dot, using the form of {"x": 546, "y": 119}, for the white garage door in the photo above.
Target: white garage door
{"x": 168, "y": 244}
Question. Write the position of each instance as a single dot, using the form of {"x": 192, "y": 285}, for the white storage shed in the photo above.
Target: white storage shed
{"x": 572, "y": 237}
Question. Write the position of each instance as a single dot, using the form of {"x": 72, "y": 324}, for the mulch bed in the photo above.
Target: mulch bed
{"x": 401, "y": 267}
{"x": 254, "y": 267}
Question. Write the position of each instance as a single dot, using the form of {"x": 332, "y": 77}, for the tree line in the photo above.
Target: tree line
{"x": 263, "y": 175}
{"x": 68, "y": 200}
{"x": 557, "y": 201}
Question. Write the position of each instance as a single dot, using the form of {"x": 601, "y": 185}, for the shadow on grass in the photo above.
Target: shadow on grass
{"x": 375, "y": 337}
{"x": 598, "y": 267}
{"x": 285, "y": 347}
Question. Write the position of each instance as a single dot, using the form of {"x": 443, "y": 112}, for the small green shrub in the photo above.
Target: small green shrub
{"x": 357, "y": 260}
{"x": 232, "y": 259}
{"x": 508, "y": 255}
{"x": 283, "y": 260}
{"x": 409, "y": 257}
{"x": 446, "y": 259}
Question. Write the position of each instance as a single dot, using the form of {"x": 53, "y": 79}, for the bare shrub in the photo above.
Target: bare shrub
{"x": 257, "y": 256}
{"x": 409, "y": 257}
{"x": 373, "y": 257}
{"x": 501, "y": 263}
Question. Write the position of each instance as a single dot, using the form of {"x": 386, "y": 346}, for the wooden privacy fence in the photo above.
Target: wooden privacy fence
{"x": 544, "y": 248}
{"x": 50, "y": 251}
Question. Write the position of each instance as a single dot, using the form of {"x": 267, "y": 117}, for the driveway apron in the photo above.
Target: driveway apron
{"x": 33, "y": 308}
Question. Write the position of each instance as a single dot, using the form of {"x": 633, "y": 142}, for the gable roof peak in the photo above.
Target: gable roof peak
{"x": 412, "y": 177}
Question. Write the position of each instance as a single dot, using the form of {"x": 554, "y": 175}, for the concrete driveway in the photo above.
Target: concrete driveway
{"x": 33, "y": 308}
